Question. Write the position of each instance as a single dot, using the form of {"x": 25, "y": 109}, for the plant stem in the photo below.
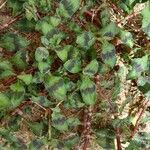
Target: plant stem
{"x": 87, "y": 127}
{"x": 118, "y": 138}
{"x": 139, "y": 118}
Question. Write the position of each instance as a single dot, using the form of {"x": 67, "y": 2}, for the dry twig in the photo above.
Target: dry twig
{"x": 6, "y": 25}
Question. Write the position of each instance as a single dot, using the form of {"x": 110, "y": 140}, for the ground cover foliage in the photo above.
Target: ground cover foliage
{"x": 74, "y": 74}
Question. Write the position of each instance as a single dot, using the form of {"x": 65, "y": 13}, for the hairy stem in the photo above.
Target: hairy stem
{"x": 118, "y": 135}
{"x": 87, "y": 127}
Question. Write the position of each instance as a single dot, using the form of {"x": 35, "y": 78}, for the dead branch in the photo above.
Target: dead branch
{"x": 6, "y": 25}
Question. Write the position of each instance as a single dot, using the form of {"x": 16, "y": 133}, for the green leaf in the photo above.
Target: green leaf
{"x": 16, "y": 98}
{"x": 17, "y": 87}
{"x": 37, "y": 144}
{"x": 16, "y": 6}
{"x": 41, "y": 54}
{"x": 71, "y": 140}
{"x": 4, "y": 101}
{"x": 103, "y": 68}
{"x": 47, "y": 24}
{"x": 146, "y": 20}
{"x": 43, "y": 26}
{"x": 147, "y": 94}
{"x": 144, "y": 85}
{"x": 68, "y": 7}
{"x": 55, "y": 21}
{"x": 105, "y": 16}
{"x": 70, "y": 85}
{"x": 140, "y": 141}
{"x": 88, "y": 91}
{"x": 6, "y": 73}
{"x": 124, "y": 7}
{"x": 55, "y": 37}
{"x": 59, "y": 121}
{"x": 56, "y": 87}
{"x": 30, "y": 11}
{"x": 44, "y": 6}
{"x": 36, "y": 127}
{"x": 130, "y": 3}
{"x": 13, "y": 42}
{"x": 110, "y": 30}
{"x": 62, "y": 53}
{"x": 73, "y": 65}
{"x": 53, "y": 32}
{"x": 42, "y": 100}
{"x": 85, "y": 40}
{"x": 5, "y": 65}
{"x": 67, "y": 52}
{"x": 44, "y": 67}
{"x": 38, "y": 77}
{"x": 13, "y": 123}
{"x": 24, "y": 25}
{"x": 73, "y": 122}
{"x": 74, "y": 101}
{"x": 26, "y": 78}
{"x": 139, "y": 65}
{"x": 6, "y": 69}
{"x": 108, "y": 54}
{"x": 91, "y": 68}
{"x": 126, "y": 38}
{"x": 44, "y": 41}
{"x": 20, "y": 59}
{"x": 74, "y": 27}
{"x": 105, "y": 138}
{"x": 146, "y": 119}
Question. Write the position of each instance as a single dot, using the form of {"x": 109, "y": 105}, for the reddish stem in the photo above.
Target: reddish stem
{"x": 139, "y": 118}
{"x": 89, "y": 16}
{"x": 87, "y": 127}
{"x": 85, "y": 144}
{"x": 9, "y": 81}
{"x": 118, "y": 134}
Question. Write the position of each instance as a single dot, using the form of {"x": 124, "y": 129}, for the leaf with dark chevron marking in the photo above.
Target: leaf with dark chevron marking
{"x": 67, "y": 52}
{"x": 20, "y": 59}
{"x": 74, "y": 101}
{"x": 108, "y": 54}
{"x": 59, "y": 121}
{"x": 91, "y": 68}
{"x": 71, "y": 140}
{"x": 126, "y": 38}
{"x": 13, "y": 42}
{"x": 139, "y": 65}
{"x": 41, "y": 54}
{"x": 110, "y": 30}
{"x": 56, "y": 87}
{"x": 73, "y": 65}
{"x": 85, "y": 40}
{"x": 68, "y": 7}
{"x": 37, "y": 144}
{"x": 42, "y": 100}
{"x": 88, "y": 91}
